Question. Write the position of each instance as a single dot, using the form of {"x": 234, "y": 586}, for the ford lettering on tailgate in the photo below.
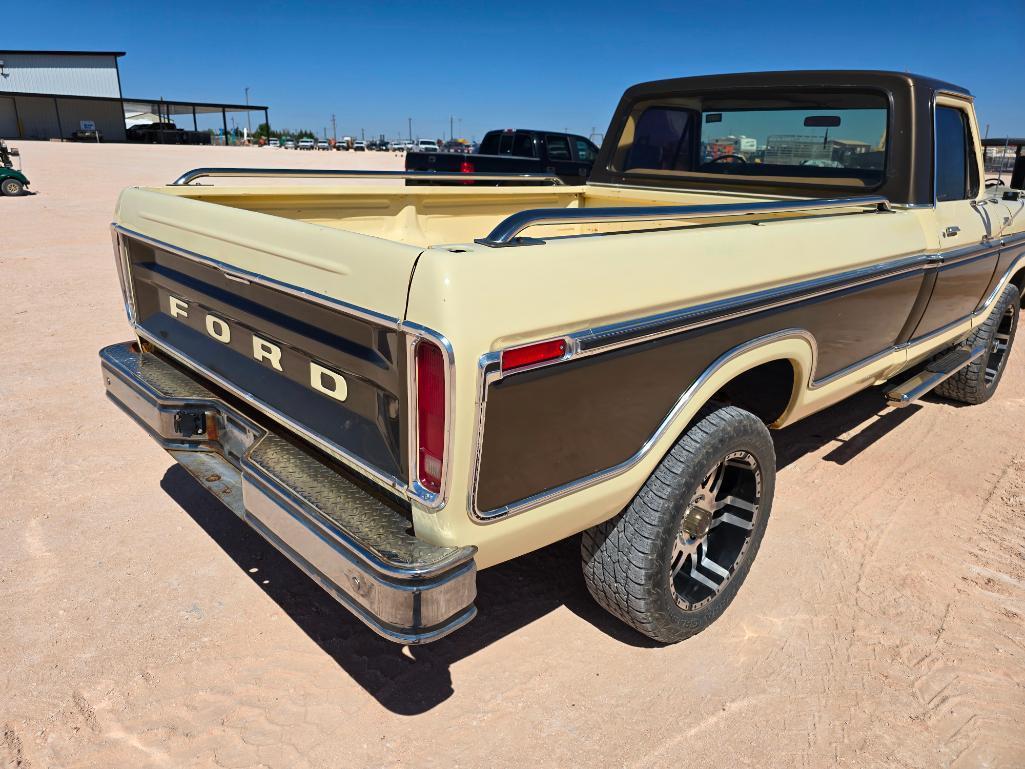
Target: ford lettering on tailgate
{"x": 338, "y": 376}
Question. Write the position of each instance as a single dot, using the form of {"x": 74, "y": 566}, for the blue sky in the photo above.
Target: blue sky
{"x": 546, "y": 65}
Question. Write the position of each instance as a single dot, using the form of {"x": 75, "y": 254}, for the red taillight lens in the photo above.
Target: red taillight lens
{"x": 518, "y": 357}
{"x": 430, "y": 414}
{"x": 466, "y": 167}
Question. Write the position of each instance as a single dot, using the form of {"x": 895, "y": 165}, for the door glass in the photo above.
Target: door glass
{"x": 584, "y": 152}
{"x": 524, "y": 145}
{"x": 956, "y": 174}
{"x": 558, "y": 147}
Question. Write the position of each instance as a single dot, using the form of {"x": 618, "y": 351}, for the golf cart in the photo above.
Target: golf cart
{"x": 12, "y": 180}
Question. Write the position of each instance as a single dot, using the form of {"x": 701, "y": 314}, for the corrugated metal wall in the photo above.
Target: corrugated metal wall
{"x": 66, "y": 75}
{"x": 8, "y": 119}
{"x": 46, "y": 117}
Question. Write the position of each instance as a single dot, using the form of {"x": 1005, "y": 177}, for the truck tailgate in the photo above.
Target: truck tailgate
{"x": 218, "y": 293}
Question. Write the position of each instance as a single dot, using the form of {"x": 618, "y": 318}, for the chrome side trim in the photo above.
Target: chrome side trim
{"x": 240, "y": 274}
{"x": 487, "y": 363}
{"x": 602, "y": 338}
{"x": 121, "y": 260}
{"x": 505, "y": 234}
{"x": 330, "y": 173}
{"x": 414, "y": 333}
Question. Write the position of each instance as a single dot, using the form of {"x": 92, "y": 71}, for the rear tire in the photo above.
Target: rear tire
{"x": 12, "y": 187}
{"x": 977, "y": 382}
{"x": 674, "y": 559}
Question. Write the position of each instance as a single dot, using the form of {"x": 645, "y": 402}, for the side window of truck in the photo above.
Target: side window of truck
{"x": 957, "y": 177}
{"x": 523, "y": 146}
{"x": 558, "y": 147}
{"x": 585, "y": 150}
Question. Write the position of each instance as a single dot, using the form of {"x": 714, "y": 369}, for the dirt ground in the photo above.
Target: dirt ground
{"x": 142, "y": 624}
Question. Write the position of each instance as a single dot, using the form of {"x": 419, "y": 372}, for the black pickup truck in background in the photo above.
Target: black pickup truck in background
{"x": 515, "y": 151}
{"x": 165, "y": 133}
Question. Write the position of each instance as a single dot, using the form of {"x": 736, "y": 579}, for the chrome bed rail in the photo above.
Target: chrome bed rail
{"x": 506, "y": 233}
{"x": 331, "y": 173}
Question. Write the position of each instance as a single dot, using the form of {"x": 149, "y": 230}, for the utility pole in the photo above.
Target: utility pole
{"x": 410, "y": 128}
{"x": 451, "y": 136}
{"x": 334, "y": 128}
{"x": 362, "y": 134}
{"x": 249, "y": 122}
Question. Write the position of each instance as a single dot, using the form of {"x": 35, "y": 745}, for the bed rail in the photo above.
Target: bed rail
{"x": 507, "y": 232}
{"x": 330, "y": 173}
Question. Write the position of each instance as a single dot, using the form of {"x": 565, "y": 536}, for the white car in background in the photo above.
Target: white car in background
{"x": 425, "y": 145}
{"x": 289, "y": 144}
{"x": 273, "y": 143}
{"x": 359, "y": 146}
{"x": 307, "y": 144}
{"x": 323, "y": 145}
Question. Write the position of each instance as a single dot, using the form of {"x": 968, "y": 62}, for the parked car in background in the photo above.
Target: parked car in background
{"x": 323, "y": 145}
{"x": 567, "y": 156}
{"x": 307, "y": 143}
{"x": 156, "y": 133}
{"x": 425, "y": 145}
{"x": 359, "y": 145}
{"x": 273, "y": 143}
{"x": 91, "y": 135}
{"x": 289, "y": 144}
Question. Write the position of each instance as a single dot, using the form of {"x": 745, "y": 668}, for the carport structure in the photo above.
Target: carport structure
{"x": 53, "y": 94}
{"x": 167, "y": 111}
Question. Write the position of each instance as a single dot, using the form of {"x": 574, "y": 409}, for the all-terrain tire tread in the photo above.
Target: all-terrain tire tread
{"x": 969, "y": 384}
{"x": 621, "y": 556}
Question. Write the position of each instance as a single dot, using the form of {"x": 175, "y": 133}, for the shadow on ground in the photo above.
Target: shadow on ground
{"x": 510, "y": 596}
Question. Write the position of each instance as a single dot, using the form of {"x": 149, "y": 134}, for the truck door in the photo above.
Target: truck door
{"x": 562, "y": 160}
{"x": 965, "y": 258}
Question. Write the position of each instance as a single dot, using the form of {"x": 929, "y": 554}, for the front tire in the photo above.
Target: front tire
{"x": 12, "y": 187}
{"x": 977, "y": 382}
{"x": 674, "y": 559}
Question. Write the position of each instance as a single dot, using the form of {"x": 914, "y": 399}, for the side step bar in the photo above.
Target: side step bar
{"x": 932, "y": 375}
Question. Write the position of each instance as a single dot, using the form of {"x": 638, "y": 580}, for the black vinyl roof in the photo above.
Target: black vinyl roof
{"x": 805, "y": 78}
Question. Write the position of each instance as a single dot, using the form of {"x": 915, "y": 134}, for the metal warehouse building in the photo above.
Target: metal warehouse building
{"x": 49, "y": 94}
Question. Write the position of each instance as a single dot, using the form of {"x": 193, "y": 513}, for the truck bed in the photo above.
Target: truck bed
{"x": 432, "y": 216}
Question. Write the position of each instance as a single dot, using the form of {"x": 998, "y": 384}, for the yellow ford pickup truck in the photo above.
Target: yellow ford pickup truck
{"x": 399, "y": 385}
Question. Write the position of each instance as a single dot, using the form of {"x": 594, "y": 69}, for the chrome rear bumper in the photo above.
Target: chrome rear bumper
{"x": 355, "y": 543}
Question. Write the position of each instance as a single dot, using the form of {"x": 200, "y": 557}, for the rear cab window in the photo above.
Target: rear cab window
{"x": 822, "y": 139}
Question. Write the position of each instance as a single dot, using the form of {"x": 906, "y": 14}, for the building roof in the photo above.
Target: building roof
{"x": 64, "y": 53}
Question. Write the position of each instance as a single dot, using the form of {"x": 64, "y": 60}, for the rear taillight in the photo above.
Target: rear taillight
{"x": 430, "y": 415}
{"x": 466, "y": 167}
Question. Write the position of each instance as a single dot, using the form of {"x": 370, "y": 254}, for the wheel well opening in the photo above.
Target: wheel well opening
{"x": 1019, "y": 281}
{"x": 764, "y": 390}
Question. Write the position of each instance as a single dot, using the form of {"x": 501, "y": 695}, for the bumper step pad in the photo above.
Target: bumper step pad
{"x": 352, "y": 541}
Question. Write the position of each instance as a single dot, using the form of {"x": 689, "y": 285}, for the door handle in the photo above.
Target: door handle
{"x": 951, "y": 231}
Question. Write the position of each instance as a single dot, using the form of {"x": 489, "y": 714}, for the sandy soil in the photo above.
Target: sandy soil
{"x": 141, "y": 624}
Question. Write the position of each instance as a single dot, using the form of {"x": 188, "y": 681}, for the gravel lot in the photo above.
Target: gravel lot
{"x": 144, "y": 625}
